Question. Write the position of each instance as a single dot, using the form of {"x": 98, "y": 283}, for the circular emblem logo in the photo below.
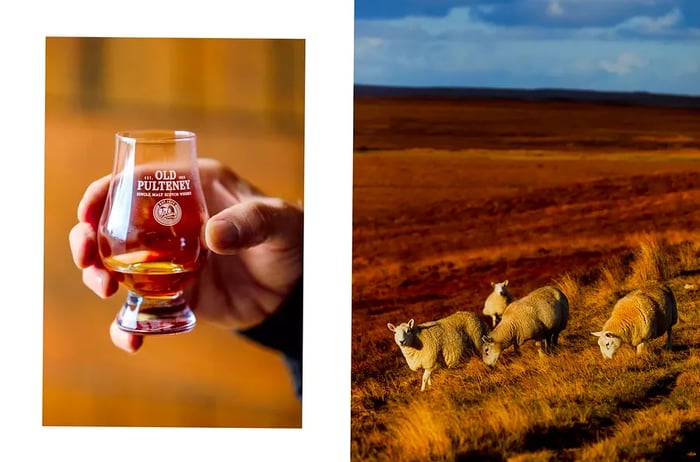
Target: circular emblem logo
{"x": 167, "y": 212}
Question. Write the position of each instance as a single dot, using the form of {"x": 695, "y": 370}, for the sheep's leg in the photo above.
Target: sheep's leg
{"x": 640, "y": 348}
{"x": 516, "y": 349}
{"x": 426, "y": 379}
{"x": 669, "y": 338}
{"x": 538, "y": 343}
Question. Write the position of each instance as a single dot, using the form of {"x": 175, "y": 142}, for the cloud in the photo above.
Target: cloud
{"x": 461, "y": 48}
{"x": 624, "y": 64}
{"x": 574, "y": 14}
{"x": 468, "y": 23}
{"x": 367, "y": 46}
{"x": 554, "y": 8}
{"x": 456, "y": 20}
{"x": 649, "y": 25}
{"x": 486, "y": 9}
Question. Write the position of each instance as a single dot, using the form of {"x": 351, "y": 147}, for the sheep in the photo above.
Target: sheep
{"x": 639, "y": 317}
{"x": 497, "y": 301}
{"x": 439, "y": 343}
{"x": 541, "y": 315}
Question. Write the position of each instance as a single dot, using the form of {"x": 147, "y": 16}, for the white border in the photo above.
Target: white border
{"x": 327, "y": 27}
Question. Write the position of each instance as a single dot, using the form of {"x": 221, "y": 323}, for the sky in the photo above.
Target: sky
{"x": 605, "y": 45}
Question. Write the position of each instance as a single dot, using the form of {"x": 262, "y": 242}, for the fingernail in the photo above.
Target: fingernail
{"x": 222, "y": 234}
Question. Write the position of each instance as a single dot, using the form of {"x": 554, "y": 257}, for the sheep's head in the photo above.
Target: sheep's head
{"x": 490, "y": 350}
{"x": 608, "y": 342}
{"x": 403, "y": 333}
{"x": 500, "y": 288}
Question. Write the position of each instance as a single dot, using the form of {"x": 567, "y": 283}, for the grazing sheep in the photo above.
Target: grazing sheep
{"x": 497, "y": 301}
{"x": 439, "y": 343}
{"x": 637, "y": 318}
{"x": 541, "y": 315}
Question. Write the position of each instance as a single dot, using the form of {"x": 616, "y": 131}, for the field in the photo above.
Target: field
{"x": 450, "y": 195}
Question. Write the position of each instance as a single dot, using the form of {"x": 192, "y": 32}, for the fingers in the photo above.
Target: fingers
{"x": 124, "y": 340}
{"x": 222, "y": 187}
{"x": 212, "y": 171}
{"x": 83, "y": 245}
{"x": 83, "y": 240}
{"x": 252, "y": 223}
{"x": 93, "y": 201}
{"x": 100, "y": 281}
{"x": 83, "y": 236}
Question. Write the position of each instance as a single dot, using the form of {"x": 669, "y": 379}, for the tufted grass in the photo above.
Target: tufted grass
{"x": 651, "y": 261}
{"x": 570, "y": 405}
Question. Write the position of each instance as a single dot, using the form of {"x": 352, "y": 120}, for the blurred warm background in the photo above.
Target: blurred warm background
{"x": 245, "y": 100}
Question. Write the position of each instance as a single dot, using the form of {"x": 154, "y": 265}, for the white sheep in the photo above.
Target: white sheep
{"x": 497, "y": 301}
{"x": 439, "y": 343}
{"x": 639, "y": 317}
{"x": 539, "y": 316}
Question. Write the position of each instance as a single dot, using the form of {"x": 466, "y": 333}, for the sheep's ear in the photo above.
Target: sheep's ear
{"x": 493, "y": 284}
{"x": 597, "y": 334}
{"x": 391, "y": 327}
{"x": 505, "y": 283}
{"x": 410, "y": 323}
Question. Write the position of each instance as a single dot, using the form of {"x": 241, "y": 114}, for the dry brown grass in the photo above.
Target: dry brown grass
{"x": 571, "y": 405}
{"x": 609, "y": 286}
{"x": 687, "y": 257}
{"x": 651, "y": 261}
{"x": 570, "y": 285}
{"x": 451, "y": 195}
{"x": 665, "y": 429}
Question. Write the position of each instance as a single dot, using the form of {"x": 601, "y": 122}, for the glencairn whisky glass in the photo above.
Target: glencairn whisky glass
{"x": 151, "y": 229}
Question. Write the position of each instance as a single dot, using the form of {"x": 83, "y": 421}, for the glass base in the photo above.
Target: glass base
{"x": 155, "y": 315}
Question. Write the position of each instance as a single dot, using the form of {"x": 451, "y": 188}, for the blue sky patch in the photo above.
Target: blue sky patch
{"x": 616, "y": 45}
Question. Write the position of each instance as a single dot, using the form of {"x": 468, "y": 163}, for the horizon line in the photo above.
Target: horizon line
{"x": 525, "y": 89}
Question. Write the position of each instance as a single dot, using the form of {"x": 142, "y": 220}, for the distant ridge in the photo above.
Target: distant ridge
{"x": 544, "y": 94}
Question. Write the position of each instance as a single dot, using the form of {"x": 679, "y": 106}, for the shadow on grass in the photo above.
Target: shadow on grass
{"x": 570, "y": 437}
{"x": 679, "y": 348}
{"x": 688, "y": 448}
{"x": 481, "y": 456}
{"x": 658, "y": 390}
{"x": 580, "y": 434}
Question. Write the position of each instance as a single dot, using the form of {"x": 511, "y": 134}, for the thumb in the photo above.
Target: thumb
{"x": 251, "y": 223}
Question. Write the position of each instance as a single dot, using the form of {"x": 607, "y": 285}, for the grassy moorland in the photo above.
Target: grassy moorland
{"x": 570, "y": 405}
{"x": 434, "y": 224}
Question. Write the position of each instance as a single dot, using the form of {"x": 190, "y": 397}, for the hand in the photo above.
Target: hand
{"x": 255, "y": 259}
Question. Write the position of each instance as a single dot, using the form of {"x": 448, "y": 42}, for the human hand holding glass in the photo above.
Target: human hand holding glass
{"x": 256, "y": 245}
{"x": 150, "y": 231}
